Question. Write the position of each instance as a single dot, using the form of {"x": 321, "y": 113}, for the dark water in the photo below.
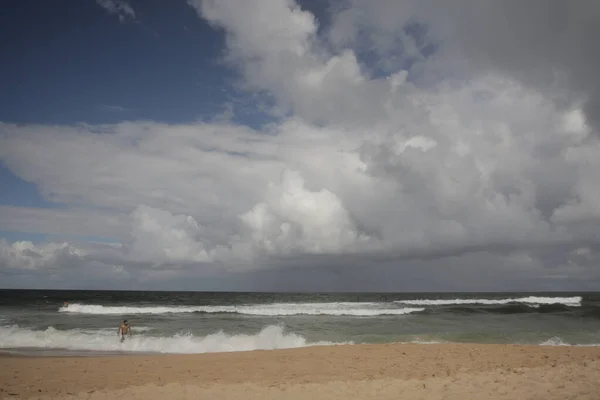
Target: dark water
{"x": 183, "y": 322}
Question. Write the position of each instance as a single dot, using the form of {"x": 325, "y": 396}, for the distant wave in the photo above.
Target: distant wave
{"x": 531, "y": 300}
{"x": 356, "y": 309}
{"x": 510, "y": 308}
{"x": 274, "y": 309}
{"x": 270, "y": 337}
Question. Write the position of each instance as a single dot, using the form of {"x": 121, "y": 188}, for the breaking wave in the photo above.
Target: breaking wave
{"x": 554, "y": 341}
{"x": 270, "y": 337}
{"x": 531, "y": 300}
{"x": 558, "y": 341}
{"x": 512, "y": 308}
{"x": 275, "y": 309}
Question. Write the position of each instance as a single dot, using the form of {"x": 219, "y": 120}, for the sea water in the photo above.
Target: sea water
{"x": 38, "y": 322}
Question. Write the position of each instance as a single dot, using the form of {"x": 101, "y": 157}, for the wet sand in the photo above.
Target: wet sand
{"x": 385, "y": 371}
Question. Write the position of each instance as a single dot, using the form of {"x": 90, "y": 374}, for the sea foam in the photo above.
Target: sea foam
{"x": 270, "y": 337}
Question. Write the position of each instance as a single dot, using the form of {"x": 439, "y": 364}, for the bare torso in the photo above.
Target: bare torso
{"x": 124, "y": 329}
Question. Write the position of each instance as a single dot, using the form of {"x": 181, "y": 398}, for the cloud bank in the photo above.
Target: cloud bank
{"x": 404, "y": 135}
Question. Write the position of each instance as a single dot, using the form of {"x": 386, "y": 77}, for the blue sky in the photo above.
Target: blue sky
{"x": 73, "y": 62}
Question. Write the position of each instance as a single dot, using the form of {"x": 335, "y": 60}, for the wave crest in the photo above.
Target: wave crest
{"x": 275, "y": 309}
{"x": 574, "y": 301}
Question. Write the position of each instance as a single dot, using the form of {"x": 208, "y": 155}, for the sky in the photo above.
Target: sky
{"x": 283, "y": 145}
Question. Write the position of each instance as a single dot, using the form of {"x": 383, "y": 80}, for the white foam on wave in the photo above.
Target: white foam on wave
{"x": 270, "y": 337}
{"x": 554, "y": 341}
{"x": 274, "y": 309}
{"x": 530, "y": 300}
{"x": 420, "y": 341}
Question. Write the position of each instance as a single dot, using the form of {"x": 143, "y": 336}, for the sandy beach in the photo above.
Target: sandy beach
{"x": 444, "y": 371}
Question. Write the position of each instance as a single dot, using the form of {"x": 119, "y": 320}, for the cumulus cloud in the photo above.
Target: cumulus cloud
{"x": 377, "y": 158}
{"x": 285, "y": 58}
{"x": 26, "y": 255}
{"x": 294, "y": 218}
{"x": 63, "y": 265}
{"x": 474, "y": 171}
{"x": 159, "y": 236}
{"x": 122, "y": 8}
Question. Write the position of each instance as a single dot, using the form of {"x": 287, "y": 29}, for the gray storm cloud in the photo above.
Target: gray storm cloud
{"x": 550, "y": 45}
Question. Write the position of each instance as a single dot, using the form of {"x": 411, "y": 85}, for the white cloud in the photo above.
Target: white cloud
{"x": 467, "y": 173}
{"x": 120, "y": 7}
{"x": 159, "y": 236}
{"x": 285, "y": 57}
{"x": 26, "y": 255}
{"x": 292, "y": 218}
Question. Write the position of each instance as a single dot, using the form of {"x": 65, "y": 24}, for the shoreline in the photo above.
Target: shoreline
{"x": 62, "y": 353}
{"x": 309, "y": 371}
{"x": 37, "y": 352}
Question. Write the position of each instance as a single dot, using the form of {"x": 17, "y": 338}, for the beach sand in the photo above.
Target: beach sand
{"x": 384, "y": 371}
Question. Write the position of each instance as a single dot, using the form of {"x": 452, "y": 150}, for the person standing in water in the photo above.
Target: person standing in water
{"x": 124, "y": 329}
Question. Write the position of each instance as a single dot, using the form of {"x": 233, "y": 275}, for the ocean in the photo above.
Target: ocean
{"x": 37, "y": 321}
